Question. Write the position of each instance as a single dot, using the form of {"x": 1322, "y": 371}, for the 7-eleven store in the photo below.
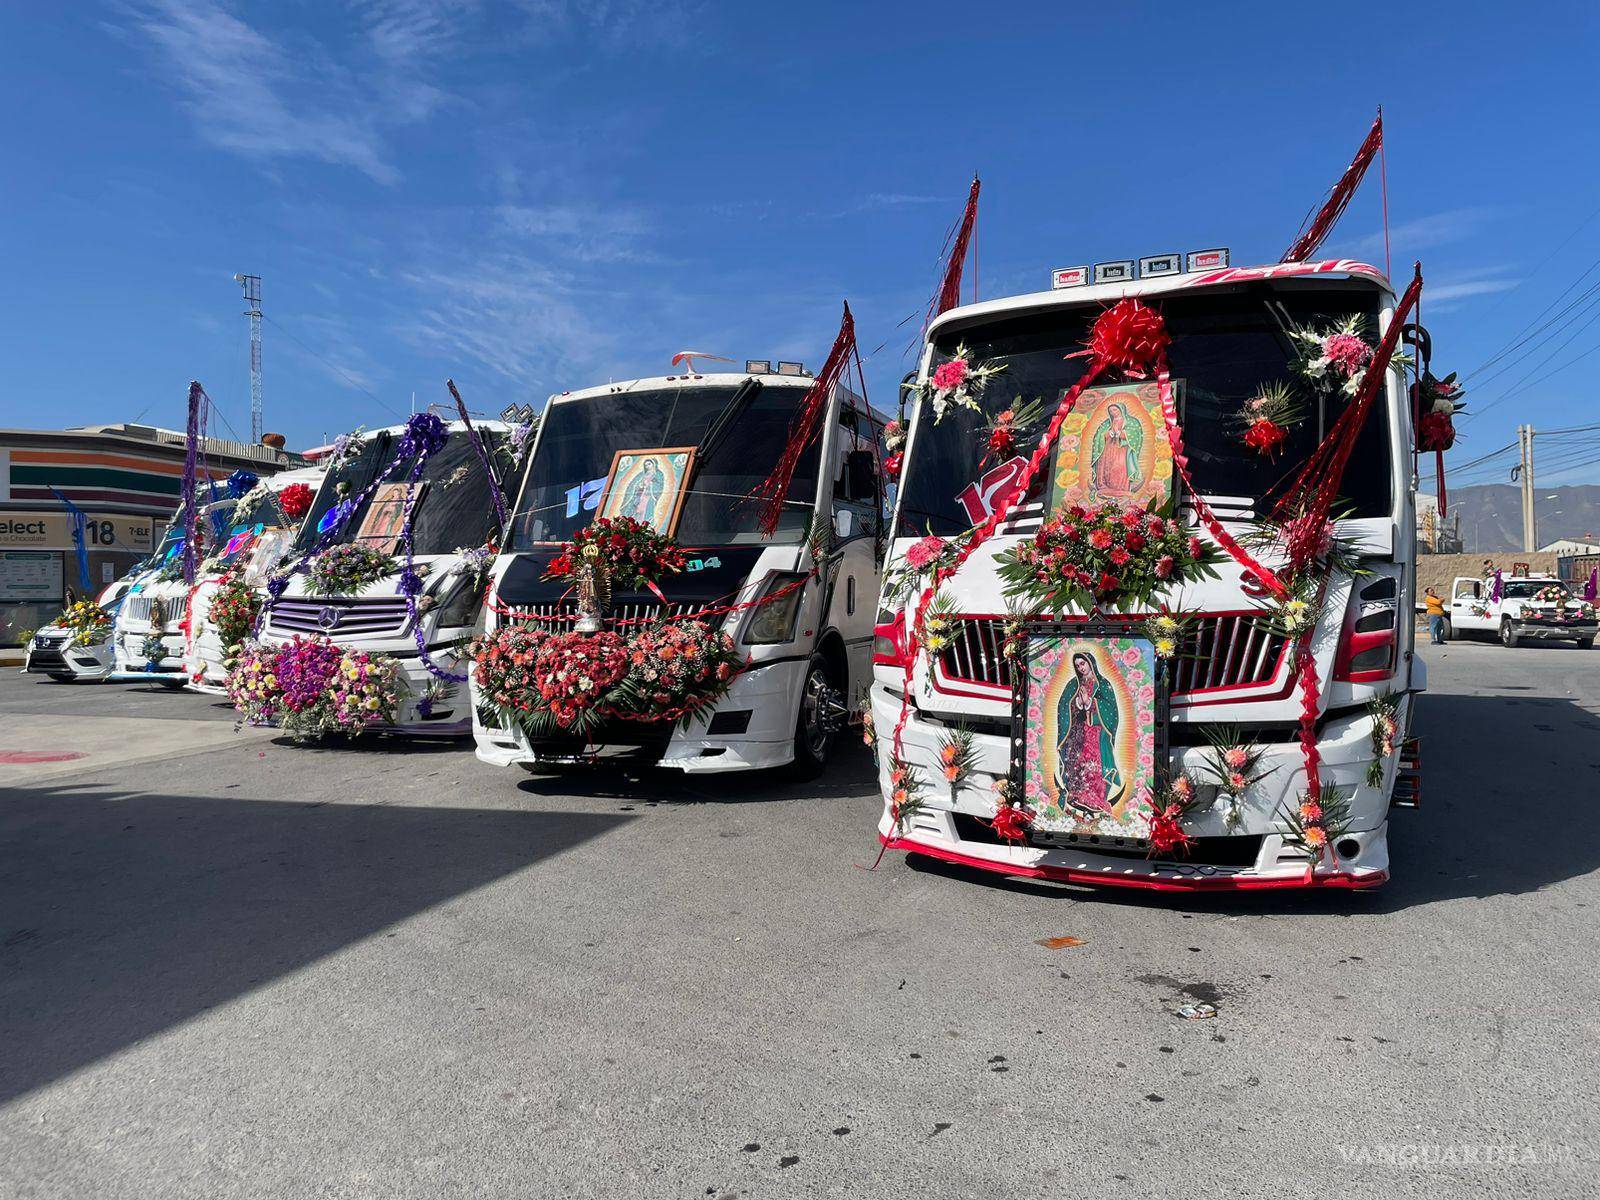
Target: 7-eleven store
{"x": 125, "y": 478}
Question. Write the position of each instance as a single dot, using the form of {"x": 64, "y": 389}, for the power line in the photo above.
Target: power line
{"x": 278, "y": 325}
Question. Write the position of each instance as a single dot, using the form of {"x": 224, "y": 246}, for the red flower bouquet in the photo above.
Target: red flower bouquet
{"x": 234, "y": 607}
{"x": 1109, "y": 557}
{"x": 632, "y": 552}
{"x": 677, "y": 669}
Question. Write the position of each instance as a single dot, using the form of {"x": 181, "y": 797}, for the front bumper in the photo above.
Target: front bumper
{"x": 1556, "y": 631}
{"x": 1255, "y": 854}
{"x": 63, "y": 660}
{"x": 769, "y": 694}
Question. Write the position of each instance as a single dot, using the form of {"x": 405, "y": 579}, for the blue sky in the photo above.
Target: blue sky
{"x": 532, "y": 195}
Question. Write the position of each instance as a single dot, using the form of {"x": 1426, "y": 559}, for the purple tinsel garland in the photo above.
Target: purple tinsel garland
{"x": 191, "y": 462}
{"x": 424, "y": 436}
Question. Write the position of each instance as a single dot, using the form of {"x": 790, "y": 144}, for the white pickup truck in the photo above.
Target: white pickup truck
{"x": 1530, "y": 607}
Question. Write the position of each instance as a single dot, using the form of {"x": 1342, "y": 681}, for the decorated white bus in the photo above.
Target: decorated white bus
{"x": 1146, "y": 617}
{"x": 733, "y": 633}
{"x": 390, "y": 565}
{"x": 261, "y": 527}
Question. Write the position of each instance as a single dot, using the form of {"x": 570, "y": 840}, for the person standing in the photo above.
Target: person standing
{"x": 1435, "y": 616}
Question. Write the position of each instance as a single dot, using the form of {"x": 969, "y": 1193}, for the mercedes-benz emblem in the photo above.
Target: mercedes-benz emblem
{"x": 328, "y": 618}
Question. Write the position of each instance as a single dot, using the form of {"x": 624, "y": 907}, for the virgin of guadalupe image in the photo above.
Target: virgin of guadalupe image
{"x": 1087, "y": 779}
{"x": 1114, "y": 451}
{"x": 643, "y": 493}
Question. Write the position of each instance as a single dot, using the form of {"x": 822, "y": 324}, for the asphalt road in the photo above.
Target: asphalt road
{"x": 263, "y": 970}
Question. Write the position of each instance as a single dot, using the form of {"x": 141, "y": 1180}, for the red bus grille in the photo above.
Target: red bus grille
{"x": 1216, "y": 652}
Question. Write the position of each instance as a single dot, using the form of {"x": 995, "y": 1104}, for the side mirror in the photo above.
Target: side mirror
{"x": 845, "y": 524}
{"x": 860, "y": 476}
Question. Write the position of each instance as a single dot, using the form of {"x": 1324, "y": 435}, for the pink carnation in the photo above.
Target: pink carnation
{"x": 924, "y": 552}
{"x": 950, "y": 375}
{"x": 1347, "y": 352}
{"x": 1237, "y": 756}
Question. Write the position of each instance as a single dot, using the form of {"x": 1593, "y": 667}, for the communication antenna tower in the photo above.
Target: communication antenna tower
{"x": 252, "y": 296}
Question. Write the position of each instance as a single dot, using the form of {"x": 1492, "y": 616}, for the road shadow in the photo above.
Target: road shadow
{"x": 850, "y": 772}
{"x": 1507, "y": 799}
{"x": 124, "y": 913}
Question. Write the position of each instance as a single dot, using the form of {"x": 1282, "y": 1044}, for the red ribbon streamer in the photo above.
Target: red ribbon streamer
{"x": 807, "y": 421}
{"x": 950, "y": 290}
{"x": 1338, "y": 199}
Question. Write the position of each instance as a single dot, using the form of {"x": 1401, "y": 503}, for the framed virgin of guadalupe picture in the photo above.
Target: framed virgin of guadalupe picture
{"x": 649, "y": 486}
{"x": 1113, "y": 447}
{"x": 386, "y": 515}
{"x": 1090, "y": 729}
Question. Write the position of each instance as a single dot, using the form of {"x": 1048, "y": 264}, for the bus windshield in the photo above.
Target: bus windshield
{"x": 580, "y": 440}
{"x": 453, "y": 508}
{"x": 1225, "y": 347}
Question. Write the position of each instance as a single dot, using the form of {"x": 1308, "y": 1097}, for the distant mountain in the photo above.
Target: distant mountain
{"x": 1491, "y": 514}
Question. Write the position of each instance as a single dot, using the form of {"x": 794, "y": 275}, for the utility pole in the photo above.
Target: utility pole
{"x": 252, "y": 295}
{"x": 1530, "y": 529}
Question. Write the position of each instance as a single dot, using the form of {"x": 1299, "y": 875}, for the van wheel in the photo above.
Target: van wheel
{"x": 1447, "y": 630}
{"x": 821, "y": 716}
{"x": 1508, "y": 634}
{"x": 1586, "y": 643}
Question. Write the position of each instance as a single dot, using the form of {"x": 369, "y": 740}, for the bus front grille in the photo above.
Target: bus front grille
{"x": 1217, "y": 651}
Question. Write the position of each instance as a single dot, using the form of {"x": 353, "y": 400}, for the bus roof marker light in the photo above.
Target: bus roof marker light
{"x": 1118, "y": 271}
{"x": 1206, "y": 260}
{"x": 791, "y": 368}
{"x": 758, "y": 366}
{"x": 1065, "y": 277}
{"x": 1153, "y": 265}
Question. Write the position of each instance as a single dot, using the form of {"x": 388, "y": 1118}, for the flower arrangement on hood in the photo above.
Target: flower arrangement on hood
{"x": 676, "y": 669}
{"x": 1109, "y": 557}
{"x": 365, "y": 691}
{"x": 956, "y": 383}
{"x": 632, "y": 552}
{"x": 235, "y": 605}
{"x": 310, "y": 688}
{"x": 551, "y": 684}
{"x": 1438, "y": 402}
{"x": 88, "y": 621}
{"x": 346, "y": 569}
{"x": 252, "y": 685}
{"x": 295, "y": 500}
{"x": 1267, "y": 417}
{"x": 920, "y": 560}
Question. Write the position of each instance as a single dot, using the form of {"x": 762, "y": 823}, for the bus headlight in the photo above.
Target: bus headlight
{"x": 459, "y": 605}
{"x": 772, "y": 622}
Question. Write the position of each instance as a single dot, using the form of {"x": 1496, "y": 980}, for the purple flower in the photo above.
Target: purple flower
{"x": 410, "y": 582}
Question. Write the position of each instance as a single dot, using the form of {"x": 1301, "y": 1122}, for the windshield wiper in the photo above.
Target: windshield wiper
{"x": 741, "y": 399}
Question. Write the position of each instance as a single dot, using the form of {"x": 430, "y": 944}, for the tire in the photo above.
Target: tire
{"x": 1586, "y": 643}
{"x": 1447, "y": 630}
{"x": 817, "y": 724}
{"x": 1508, "y": 634}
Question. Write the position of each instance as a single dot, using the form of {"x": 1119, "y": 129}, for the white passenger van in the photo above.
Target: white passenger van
{"x": 258, "y": 535}
{"x": 809, "y": 651}
{"x": 1230, "y": 331}
{"x": 453, "y": 520}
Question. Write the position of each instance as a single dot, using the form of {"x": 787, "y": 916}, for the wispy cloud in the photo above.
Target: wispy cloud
{"x": 1436, "y": 229}
{"x": 581, "y": 234}
{"x": 288, "y": 97}
{"x": 522, "y": 320}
